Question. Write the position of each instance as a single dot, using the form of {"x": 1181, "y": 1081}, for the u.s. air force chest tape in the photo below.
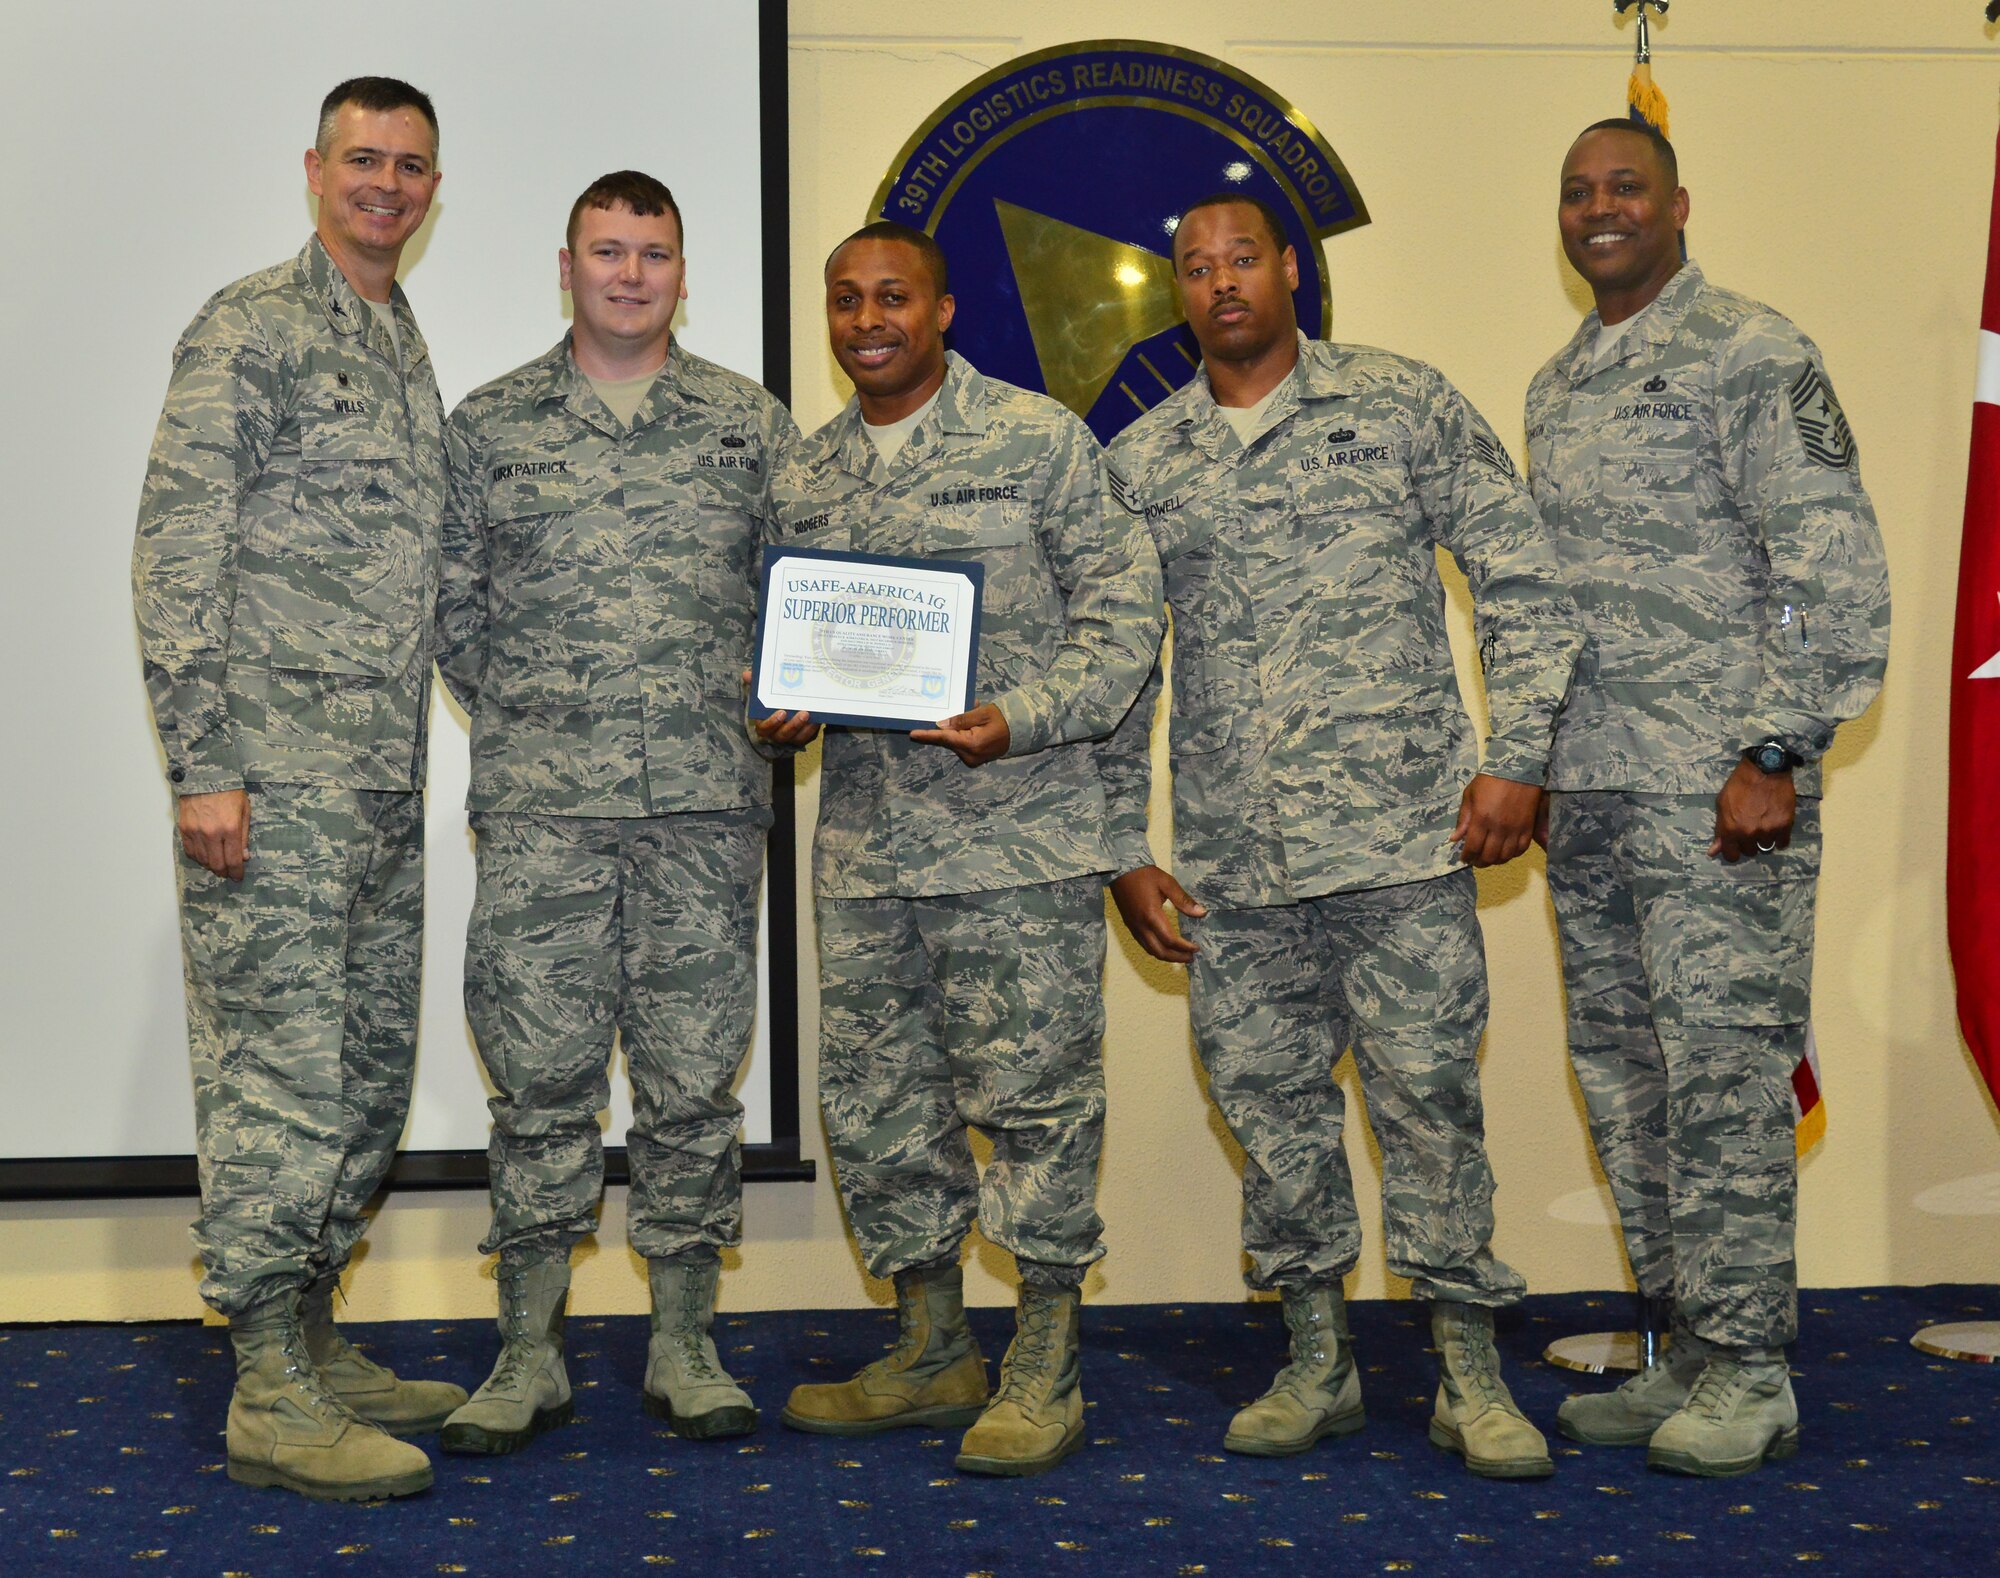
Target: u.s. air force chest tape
{"x": 865, "y": 639}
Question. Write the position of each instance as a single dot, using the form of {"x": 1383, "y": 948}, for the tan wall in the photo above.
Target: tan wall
{"x": 1838, "y": 157}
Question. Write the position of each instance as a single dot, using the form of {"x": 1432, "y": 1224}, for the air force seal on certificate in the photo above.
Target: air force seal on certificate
{"x": 864, "y": 639}
{"x": 1053, "y": 184}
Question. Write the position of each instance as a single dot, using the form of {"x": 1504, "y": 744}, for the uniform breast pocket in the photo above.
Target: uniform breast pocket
{"x": 1179, "y": 530}
{"x": 1000, "y": 538}
{"x": 348, "y": 485}
{"x": 725, "y": 526}
{"x": 530, "y": 527}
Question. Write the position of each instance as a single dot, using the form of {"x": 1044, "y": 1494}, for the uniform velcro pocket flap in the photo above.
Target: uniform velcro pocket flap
{"x": 323, "y": 653}
{"x": 995, "y": 526}
{"x": 532, "y": 685}
{"x": 342, "y": 438}
{"x": 252, "y": 1145}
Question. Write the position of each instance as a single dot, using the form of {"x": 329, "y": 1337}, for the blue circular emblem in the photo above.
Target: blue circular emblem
{"x": 1053, "y": 184}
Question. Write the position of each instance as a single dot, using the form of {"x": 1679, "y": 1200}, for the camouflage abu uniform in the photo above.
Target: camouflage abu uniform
{"x": 961, "y": 922}
{"x": 283, "y": 573}
{"x": 1707, "y": 507}
{"x": 594, "y": 620}
{"x": 1319, "y": 750}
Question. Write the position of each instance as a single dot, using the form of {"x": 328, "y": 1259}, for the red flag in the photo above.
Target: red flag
{"x": 1972, "y": 857}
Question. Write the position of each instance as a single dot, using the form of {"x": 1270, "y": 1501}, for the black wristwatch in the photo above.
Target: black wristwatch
{"x": 1771, "y": 757}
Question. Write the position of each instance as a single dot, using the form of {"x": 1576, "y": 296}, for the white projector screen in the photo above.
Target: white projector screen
{"x": 155, "y": 156}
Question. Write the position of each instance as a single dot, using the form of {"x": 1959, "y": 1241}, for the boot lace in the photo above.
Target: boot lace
{"x": 517, "y": 1350}
{"x": 304, "y": 1376}
{"x": 1476, "y": 1368}
{"x": 1030, "y": 1350}
{"x": 907, "y": 1350}
{"x": 1715, "y": 1393}
{"x": 1310, "y": 1336}
{"x": 691, "y": 1338}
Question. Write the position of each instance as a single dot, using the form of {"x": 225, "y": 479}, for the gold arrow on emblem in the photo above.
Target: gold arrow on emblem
{"x": 1088, "y": 300}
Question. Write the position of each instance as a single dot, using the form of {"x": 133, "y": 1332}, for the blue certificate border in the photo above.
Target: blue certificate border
{"x": 971, "y": 569}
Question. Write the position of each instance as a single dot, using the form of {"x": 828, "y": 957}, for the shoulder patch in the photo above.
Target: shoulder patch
{"x": 1121, "y": 490}
{"x": 1823, "y": 426}
{"x": 1494, "y": 454}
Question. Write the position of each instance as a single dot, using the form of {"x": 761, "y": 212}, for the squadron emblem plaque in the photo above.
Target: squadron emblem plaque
{"x": 1052, "y": 184}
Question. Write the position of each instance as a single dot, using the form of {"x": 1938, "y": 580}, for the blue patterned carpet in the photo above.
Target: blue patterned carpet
{"x": 111, "y": 1461}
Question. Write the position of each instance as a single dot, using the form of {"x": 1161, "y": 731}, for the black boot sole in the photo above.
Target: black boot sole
{"x": 718, "y": 1424}
{"x": 478, "y": 1441}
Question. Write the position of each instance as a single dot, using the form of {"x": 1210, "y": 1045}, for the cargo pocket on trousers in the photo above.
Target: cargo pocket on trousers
{"x": 256, "y": 950}
{"x": 1732, "y": 952}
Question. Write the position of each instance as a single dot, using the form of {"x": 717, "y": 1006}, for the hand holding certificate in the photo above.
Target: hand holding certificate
{"x": 862, "y": 639}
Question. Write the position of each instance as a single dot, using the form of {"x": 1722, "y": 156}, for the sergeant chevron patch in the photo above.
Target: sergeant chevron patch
{"x": 1822, "y": 424}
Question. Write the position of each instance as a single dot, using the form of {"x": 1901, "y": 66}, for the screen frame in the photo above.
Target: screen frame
{"x": 779, "y": 1159}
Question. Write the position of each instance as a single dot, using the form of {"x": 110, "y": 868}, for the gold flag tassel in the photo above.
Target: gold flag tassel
{"x": 1642, "y": 98}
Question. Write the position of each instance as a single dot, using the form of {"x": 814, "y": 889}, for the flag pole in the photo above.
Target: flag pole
{"x": 1974, "y": 1341}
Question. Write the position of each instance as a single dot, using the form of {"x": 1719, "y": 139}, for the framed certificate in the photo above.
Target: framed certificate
{"x": 861, "y": 638}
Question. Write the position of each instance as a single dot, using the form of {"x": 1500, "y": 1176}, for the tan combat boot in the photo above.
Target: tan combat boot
{"x": 1317, "y": 1394}
{"x": 1740, "y": 1413}
{"x": 686, "y": 1384}
{"x": 528, "y": 1391}
{"x": 1629, "y": 1413}
{"x": 1475, "y": 1415}
{"x": 403, "y": 1408}
{"x": 1036, "y": 1417}
{"x": 286, "y": 1429}
{"x": 933, "y": 1376}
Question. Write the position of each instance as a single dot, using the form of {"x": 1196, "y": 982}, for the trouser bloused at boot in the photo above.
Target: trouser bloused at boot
{"x": 302, "y": 984}
{"x": 1688, "y": 984}
{"x": 968, "y": 1011}
{"x": 588, "y": 928}
{"x": 1276, "y": 995}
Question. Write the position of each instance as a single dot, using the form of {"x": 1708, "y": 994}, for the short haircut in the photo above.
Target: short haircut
{"x": 632, "y": 189}
{"x": 378, "y": 94}
{"x": 1662, "y": 149}
{"x": 1273, "y": 223}
{"x": 888, "y": 230}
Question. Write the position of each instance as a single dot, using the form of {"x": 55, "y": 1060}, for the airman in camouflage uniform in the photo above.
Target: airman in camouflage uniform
{"x": 285, "y": 564}
{"x": 594, "y": 618}
{"x": 1327, "y": 794}
{"x": 1706, "y": 501}
{"x": 960, "y": 896}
